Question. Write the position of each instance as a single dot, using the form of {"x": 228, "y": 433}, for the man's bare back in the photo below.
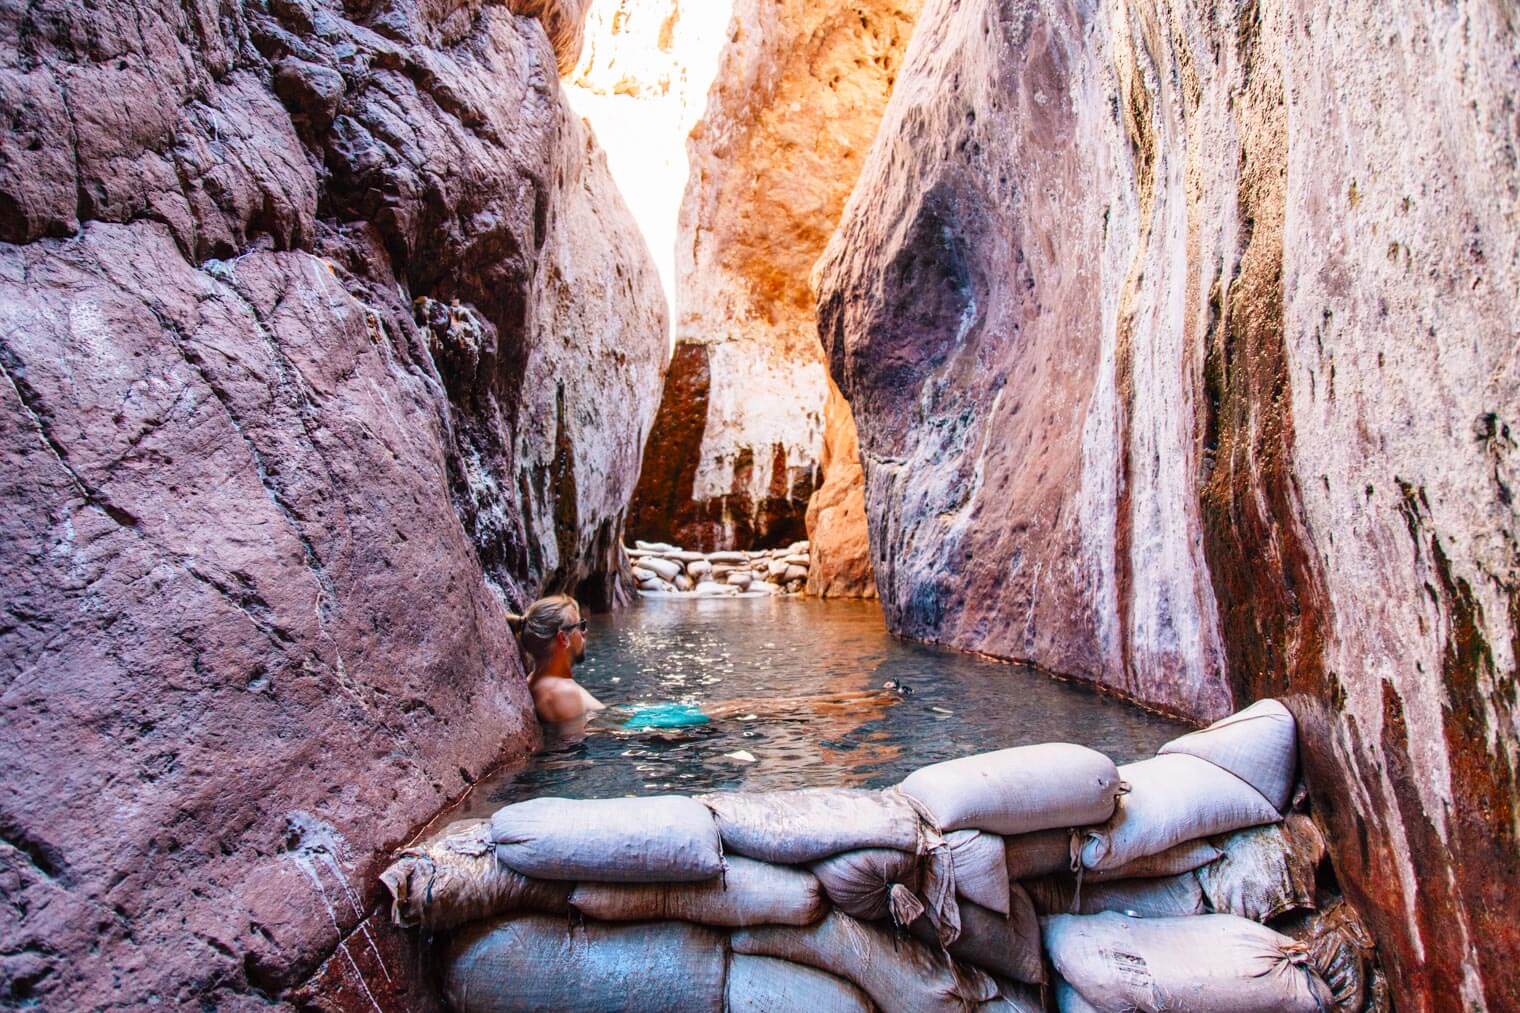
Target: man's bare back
{"x": 561, "y": 698}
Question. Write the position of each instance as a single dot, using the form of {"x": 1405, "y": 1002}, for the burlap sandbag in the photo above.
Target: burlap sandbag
{"x": 1184, "y": 857}
{"x": 1069, "y": 1000}
{"x": 897, "y": 974}
{"x": 1266, "y": 871}
{"x": 1202, "y": 964}
{"x": 1007, "y": 946}
{"x": 768, "y": 985}
{"x": 1340, "y": 948}
{"x": 749, "y": 893}
{"x": 1172, "y": 799}
{"x": 872, "y": 884}
{"x": 796, "y": 827}
{"x": 537, "y": 962}
{"x": 1019, "y": 790}
{"x": 1041, "y": 853}
{"x": 456, "y": 879}
{"x": 1013, "y": 997}
{"x": 1259, "y": 745}
{"x": 981, "y": 870}
{"x": 1162, "y": 897}
{"x": 660, "y": 839}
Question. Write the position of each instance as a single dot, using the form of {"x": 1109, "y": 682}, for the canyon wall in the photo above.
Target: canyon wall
{"x": 324, "y": 337}
{"x": 839, "y": 563}
{"x": 1182, "y": 342}
{"x": 797, "y": 97}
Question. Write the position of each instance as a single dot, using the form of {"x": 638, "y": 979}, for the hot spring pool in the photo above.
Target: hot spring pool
{"x": 715, "y": 649}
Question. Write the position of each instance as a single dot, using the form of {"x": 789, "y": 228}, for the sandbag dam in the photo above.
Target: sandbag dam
{"x": 760, "y": 505}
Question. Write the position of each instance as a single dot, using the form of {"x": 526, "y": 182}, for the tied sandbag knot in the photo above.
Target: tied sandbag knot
{"x": 906, "y": 907}
{"x": 1294, "y": 957}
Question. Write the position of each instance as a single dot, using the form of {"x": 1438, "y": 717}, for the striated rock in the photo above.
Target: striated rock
{"x": 1182, "y": 349}
{"x": 733, "y": 458}
{"x": 840, "y": 566}
{"x": 295, "y": 400}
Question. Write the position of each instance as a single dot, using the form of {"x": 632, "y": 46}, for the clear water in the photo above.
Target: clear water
{"x": 765, "y": 649}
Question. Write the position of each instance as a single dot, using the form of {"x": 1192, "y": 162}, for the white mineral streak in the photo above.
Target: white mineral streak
{"x": 1418, "y": 219}
{"x": 759, "y": 399}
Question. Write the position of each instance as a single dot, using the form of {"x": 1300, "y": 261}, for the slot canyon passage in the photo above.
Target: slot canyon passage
{"x": 1170, "y": 348}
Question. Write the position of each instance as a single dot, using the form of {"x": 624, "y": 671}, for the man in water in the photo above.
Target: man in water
{"x": 552, "y": 635}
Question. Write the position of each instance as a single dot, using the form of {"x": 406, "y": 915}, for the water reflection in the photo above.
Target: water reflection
{"x": 707, "y": 651}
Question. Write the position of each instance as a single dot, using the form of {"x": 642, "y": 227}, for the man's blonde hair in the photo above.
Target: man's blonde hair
{"x": 537, "y": 627}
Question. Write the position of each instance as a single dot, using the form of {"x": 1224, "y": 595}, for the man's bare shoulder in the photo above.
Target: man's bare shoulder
{"x": 558, "y": 700}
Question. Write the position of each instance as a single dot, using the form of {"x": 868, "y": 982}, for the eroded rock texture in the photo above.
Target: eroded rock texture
{"x": 302, "y": 383}
{"x": 840, "y": 556}
{"x": 1182, "y": 343}
{"x": 795, "y": 103}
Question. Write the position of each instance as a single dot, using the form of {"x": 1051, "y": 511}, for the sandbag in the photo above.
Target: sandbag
{"x": 1164, "y": 897}
{"x": 1172, "y": 799}
{"x": 1019, "y": 790}
{"x": 1340, "y": 949}
{"x": 1184, "y": 857}
{"x": 660, "y": 839}
{"x": 1201, "y": 964}
{"x": 537, "y": 962}
{"x": 897, "y": 974}
{"x": 1266, "y": 871}
{"x": 1040, "y": 853}
{"x": 1005, "y": 946}
{"x": 795, "y": 827}
{"x": 872, "y": 884}
{"x": 981, "y": 870}
{"x": 1259, "y": 745}
{"x": 457, "y": 879}
{"x": 1013, "y": 997}
{"x": 749, "y": 893}
{"x": 1069, "y": 1000}
{"x": 768, "y": 985}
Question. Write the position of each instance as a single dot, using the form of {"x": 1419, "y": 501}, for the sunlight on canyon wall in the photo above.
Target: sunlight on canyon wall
{"x": 642, "y": 82}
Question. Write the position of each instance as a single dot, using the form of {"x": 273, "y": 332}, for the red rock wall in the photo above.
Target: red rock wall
{"x": 302, "y": 382}
{"x": 840, "y": 552}
{"x": 790, "y": 117}
{"x": 1182, "y": 346}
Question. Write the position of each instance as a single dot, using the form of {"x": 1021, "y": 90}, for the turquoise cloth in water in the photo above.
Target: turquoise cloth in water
{"x": 666, "y": 715}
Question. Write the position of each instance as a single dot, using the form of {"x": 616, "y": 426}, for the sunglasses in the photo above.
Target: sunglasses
{"x": 582, "y": 625}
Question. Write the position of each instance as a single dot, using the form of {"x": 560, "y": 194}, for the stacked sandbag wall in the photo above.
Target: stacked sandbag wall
{"x": 1023, "y": 879}
{"x": 664, "y": 570}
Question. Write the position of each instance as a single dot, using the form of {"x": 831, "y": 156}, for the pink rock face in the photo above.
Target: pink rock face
{"x": 1183, "y": 355}
{"x": 797, "y": 98}
{"x": 295, "y": 400}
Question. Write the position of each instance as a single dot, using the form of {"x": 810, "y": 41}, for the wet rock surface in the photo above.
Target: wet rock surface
{"x": 791, "y": 114}
{"x": 1182, "y": 352}
{"x": 296, "y": 399}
